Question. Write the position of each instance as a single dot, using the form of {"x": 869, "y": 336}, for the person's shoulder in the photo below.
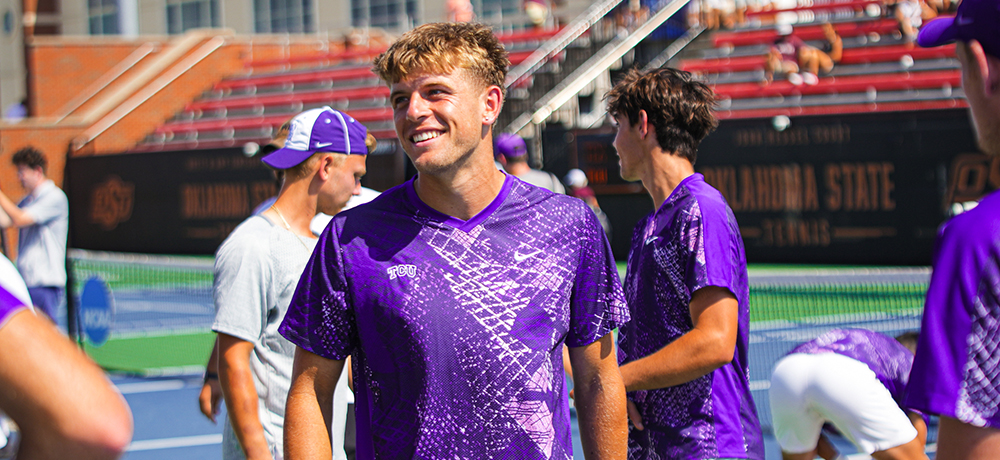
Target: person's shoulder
{"x": 389, "y": 205}
{"x": 535, "y": 196}
{"x": 253, "y": 235}
{"x": 977, "y": 226}
{"x": 49, "y": 192}
{"x": 697, "y": 192}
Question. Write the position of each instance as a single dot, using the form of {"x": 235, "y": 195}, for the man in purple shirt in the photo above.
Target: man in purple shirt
{"x": 853, "y": 379}
{"x": 684, "y": 355}
{"x": 955, "y": 373}
{"x": 456, "y": 291}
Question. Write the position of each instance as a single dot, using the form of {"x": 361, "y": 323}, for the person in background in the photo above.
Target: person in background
{"x": 258, "y": 266}
{"x": 955, "y": 373}
{"x": 42, "y": 218}
{"x": 512, "y": 153}
{"x": 854, "y": 379}
{"x": 576, "y": 183}
{"x": 684, "y": 354}
{"x": 63, "y": 404}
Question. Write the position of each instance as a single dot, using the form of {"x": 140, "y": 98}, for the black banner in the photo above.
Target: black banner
{"x": 183, "y": 202}
{"x": 852, "y": 189}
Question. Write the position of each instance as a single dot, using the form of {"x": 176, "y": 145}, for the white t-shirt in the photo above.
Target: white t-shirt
{"x": 41, "y": 247}
{"x": 256, "y": 271}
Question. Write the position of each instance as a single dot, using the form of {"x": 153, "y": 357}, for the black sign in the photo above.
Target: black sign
{"x": 163, "y": 202}
{"x": 858, "y": 189}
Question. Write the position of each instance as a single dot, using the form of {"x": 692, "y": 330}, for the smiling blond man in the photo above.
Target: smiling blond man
{"x": 456, "y": 291}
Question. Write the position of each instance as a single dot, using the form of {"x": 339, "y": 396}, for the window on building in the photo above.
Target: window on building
{"x": 491, "y": 11}
{"x": 284, "y": 16}
{"x": 389, "y": 14}
{"x": 103, "y": 17}
{"x": 191, "y": 14}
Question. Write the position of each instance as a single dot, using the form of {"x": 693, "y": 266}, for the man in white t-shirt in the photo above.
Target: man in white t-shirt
{"x": 43, "y": 219}
{"x": 258, "y": 267}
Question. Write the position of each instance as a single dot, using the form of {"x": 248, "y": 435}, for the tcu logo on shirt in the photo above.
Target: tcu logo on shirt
{"x": 401, "y": 270}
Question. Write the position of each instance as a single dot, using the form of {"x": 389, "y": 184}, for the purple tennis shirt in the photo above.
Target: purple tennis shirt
{"x": 13, "y": 293}
{"x": 456, "y": 327}
{"x": 692, "y": 241}
{"x": 887, "y": 358}
{"x": 955, "y": 372}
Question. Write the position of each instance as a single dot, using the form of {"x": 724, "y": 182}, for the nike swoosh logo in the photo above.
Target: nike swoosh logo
{"x": 651, "y": 239}
{"x": 520, "y": 257}
{"x": 320, "y": 145}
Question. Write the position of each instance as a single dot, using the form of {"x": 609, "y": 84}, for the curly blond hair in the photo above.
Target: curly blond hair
{"x": 443, "y": 47}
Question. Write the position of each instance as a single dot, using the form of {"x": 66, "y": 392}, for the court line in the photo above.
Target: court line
{"x": 151, "y": 387}
{"x": 171, "y": 443}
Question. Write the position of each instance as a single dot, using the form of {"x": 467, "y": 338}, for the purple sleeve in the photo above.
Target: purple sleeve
{"x": 9, "y": 304}
{"x": 320, "y": 318}
{"x": 710, "y": 249}
{"x": 598, "y": 303}
{"x": 954, "y": 372}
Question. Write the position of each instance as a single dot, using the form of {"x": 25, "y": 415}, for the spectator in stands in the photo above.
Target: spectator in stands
{"x": 63, "y": 404}
{"x": 537, "y": 12}
{"x": 576, "y": 183}
{"x": 911, "y": 14}
{"x": 258, "y": 266}
{"x": 459, "y": 10}
{"x": 43, "y": 219}
{"x": 512, "y": 153}
{"x": 955, "y": 371}
{"x": 854, "y": 379}
{"x": 799, "y": 61}
{"x": 684, "y": 354}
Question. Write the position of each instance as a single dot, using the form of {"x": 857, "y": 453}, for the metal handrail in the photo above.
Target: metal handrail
{"x": 560, "y": 41}
{"x": 593, "y": 67}
{"x": 670, "y": 51}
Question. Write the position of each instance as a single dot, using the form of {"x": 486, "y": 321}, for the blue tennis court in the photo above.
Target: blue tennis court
{"x": 163, "y": 312}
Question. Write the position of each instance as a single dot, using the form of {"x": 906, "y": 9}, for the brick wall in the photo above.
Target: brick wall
{"x": 63, "y": 67}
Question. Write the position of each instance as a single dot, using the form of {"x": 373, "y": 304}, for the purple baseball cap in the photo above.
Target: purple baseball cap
{"x": 511, "y": 145}
{"x": 319, "y": 130}
{"x": 976, "y": 20}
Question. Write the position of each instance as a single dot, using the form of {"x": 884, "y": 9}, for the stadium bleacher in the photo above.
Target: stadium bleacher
{"x": 250, "y": 107}
{"x": 879, "y": 71}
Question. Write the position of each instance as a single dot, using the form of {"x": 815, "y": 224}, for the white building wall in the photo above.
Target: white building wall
{"x": 12, "y": 75}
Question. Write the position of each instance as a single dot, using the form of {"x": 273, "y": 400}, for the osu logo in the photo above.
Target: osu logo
{"x": 972, "y": 176}
{"x": 397, "y": 271}
{"x": 111, "y": 202}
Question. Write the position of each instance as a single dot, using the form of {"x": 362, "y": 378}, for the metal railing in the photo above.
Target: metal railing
{"x": 594, "y": 66}
{"x": 560, "y": 41}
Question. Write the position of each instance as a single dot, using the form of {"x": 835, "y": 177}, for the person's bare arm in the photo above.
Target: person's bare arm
{"x": 241, "y": 396}
{"x": 921, "y": 426}
{"x": 309, "y": 408}
{"x": 211, "y": 389}
{"x": 709, "y": 345}
{"x": 18, "y": 217}
{"x": 600, "y": 400}
{"x": 62, "y": 402}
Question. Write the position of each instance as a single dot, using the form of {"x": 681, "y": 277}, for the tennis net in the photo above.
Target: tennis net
{"x": 161, "y": 323}
{"x": 162, "y": 313}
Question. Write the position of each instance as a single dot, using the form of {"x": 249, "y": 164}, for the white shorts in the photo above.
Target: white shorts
{"x": 810, "y": 389}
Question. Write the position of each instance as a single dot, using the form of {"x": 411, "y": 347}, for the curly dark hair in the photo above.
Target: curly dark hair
{"x": 679, "y": 107}
{"x": 30, "y": 157}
